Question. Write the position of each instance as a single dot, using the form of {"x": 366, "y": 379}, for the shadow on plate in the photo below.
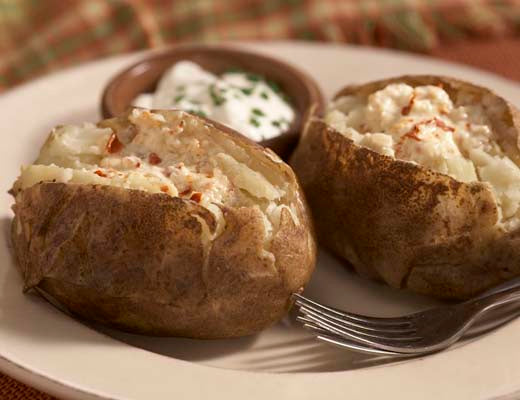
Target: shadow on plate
{"x": 19, "y": 313}
{"x": 283, "y": 348}
{"x": 22, "y": 313}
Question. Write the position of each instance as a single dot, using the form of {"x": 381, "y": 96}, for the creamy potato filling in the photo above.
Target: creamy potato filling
{"x": 424, "y": 125}
{"x": 178, "y": 157}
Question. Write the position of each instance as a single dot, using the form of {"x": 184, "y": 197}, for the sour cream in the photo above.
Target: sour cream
{"x": 243, "y": 101}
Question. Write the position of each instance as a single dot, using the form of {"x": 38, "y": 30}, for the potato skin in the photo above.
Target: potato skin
{"x": 135, "y": 260}
{"x": 402, "y": 223}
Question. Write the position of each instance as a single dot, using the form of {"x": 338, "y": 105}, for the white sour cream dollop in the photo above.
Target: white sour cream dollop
{"x": 243, "y": 101}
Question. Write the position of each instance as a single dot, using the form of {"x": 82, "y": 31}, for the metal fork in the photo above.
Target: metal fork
{"x": 418, "y": 333}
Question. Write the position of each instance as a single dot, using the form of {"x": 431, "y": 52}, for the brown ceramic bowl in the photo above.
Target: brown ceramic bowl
{"x": 142, "y": 77}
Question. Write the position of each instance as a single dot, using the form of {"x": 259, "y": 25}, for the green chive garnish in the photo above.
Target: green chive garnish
{"x": 178, "y": 98}
{"x": 254, "y": 122}
{"x": 198, "y": 112}
{"x": 247, "y": 91}
{"x": 264, "y": 95}
{"x": 216, "y": 97}
{"x": 253, "y": 77}
{"x": 234, "y": 70}
{"x": 258, "y": 112}
{"x": 274, "y": 86}
{"x": 276, "y": 123}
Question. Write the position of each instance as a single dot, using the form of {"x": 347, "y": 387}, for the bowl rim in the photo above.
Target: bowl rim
{"x": 312, "y": 89}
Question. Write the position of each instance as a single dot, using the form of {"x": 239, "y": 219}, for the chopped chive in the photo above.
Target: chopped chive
{"x": 273, "y": 85}
{"x": 276, "y": 123}
{"x": 233, "y": 70}
{"x": 217, "y": 98}
{"x": 181, "y": 88}
{"x": 253, "y": 77}
{"x": 198, "y": 112}
{"x": 254, "y": 122}
{"x": 218, "y": 101}
{"x": 258, "y": 112}
{"x": 178, "y": 98}
{"x": 264, "y": 95}
{"x": 247, "y": 91}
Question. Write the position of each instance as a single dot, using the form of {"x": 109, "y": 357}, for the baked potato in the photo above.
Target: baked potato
{"x": 163, "y": 223}
{"x": 415, "y": 181}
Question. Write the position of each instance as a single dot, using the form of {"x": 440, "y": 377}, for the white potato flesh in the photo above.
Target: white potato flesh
{"x": 156, "y": 158}
{"x": 424, "y": 125}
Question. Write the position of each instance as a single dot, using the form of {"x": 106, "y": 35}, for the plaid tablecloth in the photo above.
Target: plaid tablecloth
{"x": 37, "y": 37}
{"x": 40, "y": 36}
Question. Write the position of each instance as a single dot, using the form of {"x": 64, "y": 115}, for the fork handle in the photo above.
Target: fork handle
{"x": 495, "y": 299}
{"x": 509, "y": 284}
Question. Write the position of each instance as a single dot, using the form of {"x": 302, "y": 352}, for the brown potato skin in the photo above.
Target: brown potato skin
{"x": 402, "y": 223}
{"x": 135, "y": 260}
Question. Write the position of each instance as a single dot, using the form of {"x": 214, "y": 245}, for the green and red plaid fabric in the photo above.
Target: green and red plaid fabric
{"x": 39, "y": 36}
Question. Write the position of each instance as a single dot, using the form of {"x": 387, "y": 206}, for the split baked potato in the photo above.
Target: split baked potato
{"x": 416, "y": 182}
{"x": 163, "y": 223}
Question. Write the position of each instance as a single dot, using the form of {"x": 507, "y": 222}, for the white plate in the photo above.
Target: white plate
{"x": 45, "y": 348}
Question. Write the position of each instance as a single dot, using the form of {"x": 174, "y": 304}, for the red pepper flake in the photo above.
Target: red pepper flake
{"x": 154, "y": 159}
{"x": 100, "y": 173}
{"x": 137, "y": 164}
{"x": 411, "y": 134}
{"x": 185, "y": 192}
{"x": 406, "y": 109}
{"x": 414, "y": 132}
{"x": 113, "y": 144}
{"x": 197, "y": 196}
{"x": 442, "y": 125}
{"x": 165, "y": 189}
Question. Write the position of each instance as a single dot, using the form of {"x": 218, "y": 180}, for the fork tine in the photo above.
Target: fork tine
{"x": 365, "y": 328}
{"x": 345, "y": 334}
{"x": 332, "y": 338}
{"x": 312, "y": 323}
{"x": 355, "y": 334}
{"x": 341, "y": 342}
{"x": 399, "y": 321}
{"x": 359, "y": 329}
{"x": 307, "y": 323}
